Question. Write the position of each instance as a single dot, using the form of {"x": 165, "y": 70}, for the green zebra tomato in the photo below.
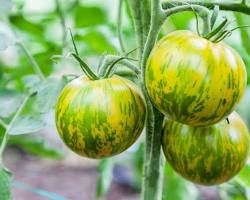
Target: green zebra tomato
{"x": 207, "y": 155}
{"x": 100, "y": 118}
{"x": 194, "y": 81}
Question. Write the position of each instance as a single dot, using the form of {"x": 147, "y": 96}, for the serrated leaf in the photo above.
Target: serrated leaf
{"x": 48, "y": 93}
{"x": 36, "y": 146}
{"x": 25, "y": 125}
{"x": 5, "y": 184}
{"x": 105, "y": 169}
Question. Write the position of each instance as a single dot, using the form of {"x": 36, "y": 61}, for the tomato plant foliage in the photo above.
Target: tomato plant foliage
{"x": 194, "y": 79}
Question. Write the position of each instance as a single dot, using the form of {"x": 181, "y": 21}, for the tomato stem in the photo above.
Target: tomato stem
{"x": 109, "y": 59}
{"x": 32, "y": 60}
{"x": 108, "y": 71}
{"x": 224, "y": 5}
{"x": 119, "y": 25}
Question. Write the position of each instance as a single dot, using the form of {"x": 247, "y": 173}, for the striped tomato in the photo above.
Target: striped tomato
{"x": 100, "y": 118}
{"x": 207, "y": 155}
{"x": 193, "y": 80}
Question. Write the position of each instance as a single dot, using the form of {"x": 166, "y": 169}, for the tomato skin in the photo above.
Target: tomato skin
{"x": 100, "y": 118}
{"x": 207, "y": 155}
{"x": 194, "y": 81}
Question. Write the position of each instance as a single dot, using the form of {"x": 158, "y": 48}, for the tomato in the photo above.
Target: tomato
{"x": 193, "y": 80}
{"x": 100, "y": 118}
{"x": 207, "y": 155}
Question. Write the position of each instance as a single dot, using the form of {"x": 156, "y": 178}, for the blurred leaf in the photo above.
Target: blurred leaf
{"x": 232, "y": 191}
{"x": 244, "y": 107}
{"x": 36, "y": 146}
{"x": 5, "y": 184}
{"x": 176, "y": 187}
{"x": 89, "y": 16}
{"x": 105, "y": 169}
{"x": 48, "y": 93}
{"x": 5, "y": 8}
{"x": 244, "y": 175}
{"x": 96, "y": 41}
{"x": 23, "y": 24}
{"x": 9, "y": 102}
{"x": 3, "y": 43}
{"x": 31, "y": 83}
{"x": 245, "y": 35}
{"x": 25, "y": 125}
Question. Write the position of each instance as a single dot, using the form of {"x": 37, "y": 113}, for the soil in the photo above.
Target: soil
{"x": 73, "y": 182}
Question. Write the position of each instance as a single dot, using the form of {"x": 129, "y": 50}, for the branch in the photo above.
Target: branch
{"x": 32, "y": 60}
{"x": 109, "y": 59}
{"x": 203, "y": 12}
{"x": 9, "y": 126}
{"x": 141, "y": 17}
{"x": 237, "y": 7}
{"x": 119, "y": 26}
{"x": 62, "y": 21}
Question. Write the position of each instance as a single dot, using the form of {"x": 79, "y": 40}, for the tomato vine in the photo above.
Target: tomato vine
{"x": 152, "y": 182}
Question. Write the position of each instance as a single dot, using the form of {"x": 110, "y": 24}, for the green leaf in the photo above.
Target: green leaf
{"x": 232, "y": 190}
{"x": 96, "y": 41}
{"x": 48, "y": 93}
{"x": 25, "y": 125}
{"x": 36, "y": 146}
{"x": 31, "y": 83}
{"x": 9, "y": 102}
{"x": 244, "y": 175}
{"x": 37, "y": 30}
{"x": 5, "y": 184}
{"x": 105, "y": 169}
{"x": 176, "y": 187}
{"x": 86, "y": 16}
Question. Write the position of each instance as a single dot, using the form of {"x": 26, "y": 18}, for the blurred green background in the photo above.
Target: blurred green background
{"x": 40, "y": 28}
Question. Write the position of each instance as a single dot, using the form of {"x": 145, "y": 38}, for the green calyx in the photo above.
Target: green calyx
{"x": 89, "y": 72}
{"x": 220, "y": 32}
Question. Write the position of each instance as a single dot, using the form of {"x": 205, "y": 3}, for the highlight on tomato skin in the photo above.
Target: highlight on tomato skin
{"x": 193, "y": 80}
{"x": 100, "y": 118}
{"x": 207, "y": 155}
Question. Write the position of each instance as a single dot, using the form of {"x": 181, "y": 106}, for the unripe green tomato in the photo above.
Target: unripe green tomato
{"x": 207, "y": 155}
{"x": 100, "y": 118}
{"x": 193, "y": 80}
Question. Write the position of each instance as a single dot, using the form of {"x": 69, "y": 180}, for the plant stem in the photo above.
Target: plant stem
{"x": 141, "y": 17}
{"x": 203, "y": 12}
{"x": 62, "y": 21}
{"x": 109, "y": 59}
{"x": 237, "y": 7}
{"x": 152, "y": 183}
{"x": 119, "y": 26}
{"x": 9, "y": 126}
{"x": 32, "y": 60}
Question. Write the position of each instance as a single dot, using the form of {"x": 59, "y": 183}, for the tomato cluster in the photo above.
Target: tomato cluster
{"x": 197, "y": 84}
